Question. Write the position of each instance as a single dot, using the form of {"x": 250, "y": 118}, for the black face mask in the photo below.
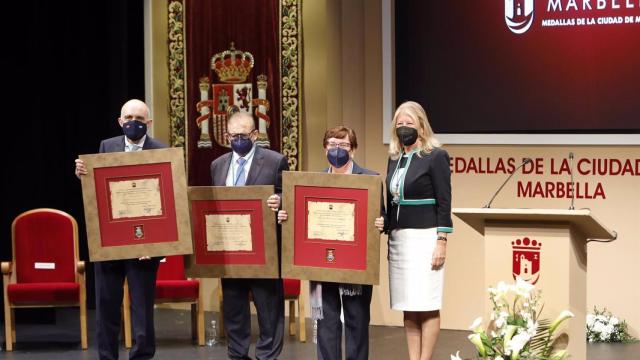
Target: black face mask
{"x": 407, "y": 135}
{"x": 134, "y": 130}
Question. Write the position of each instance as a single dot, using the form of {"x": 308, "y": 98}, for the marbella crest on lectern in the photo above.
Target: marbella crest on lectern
{"x": 518, "y": 15}
{"x": 526, "y": 259}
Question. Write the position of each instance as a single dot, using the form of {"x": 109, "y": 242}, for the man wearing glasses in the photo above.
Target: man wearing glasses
{"x": 249, "y": 164}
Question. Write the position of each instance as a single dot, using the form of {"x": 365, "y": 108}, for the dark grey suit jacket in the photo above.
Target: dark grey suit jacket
{"x": 266, "y": 169}
{"x": 116, "y": 144}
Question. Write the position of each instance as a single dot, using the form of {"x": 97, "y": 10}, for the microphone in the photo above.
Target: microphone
{"x": 573, "y": 184}
{"x": 526, "y": 161}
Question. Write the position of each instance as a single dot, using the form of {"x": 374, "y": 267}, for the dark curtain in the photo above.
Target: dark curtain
{"x": 69, "y": 66}
{"x": 210, "y": 28}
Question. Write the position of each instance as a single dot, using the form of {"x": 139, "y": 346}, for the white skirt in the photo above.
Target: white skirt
{"x": 413, "y": 285}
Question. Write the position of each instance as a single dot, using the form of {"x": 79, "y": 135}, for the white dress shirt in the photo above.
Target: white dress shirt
{"x": 128, "y": 145}
{"x": 233, "y": 168}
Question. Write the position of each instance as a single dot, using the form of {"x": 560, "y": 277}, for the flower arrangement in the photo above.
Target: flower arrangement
{"x": 602, "y": 326}
{"x": 515, "y": 331}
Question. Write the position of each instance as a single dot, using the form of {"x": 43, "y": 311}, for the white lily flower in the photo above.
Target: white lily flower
{"x": 532, "y": 328}
{"x": 523, "y": 288}
{"x": 477, "y": 341}
{"x": 476, "y": 326}
{"x": 559, "y": 355}
{"x": 517, "y": 343}
{"x": 564, "y": 315}
{"x": 503, "y": 288}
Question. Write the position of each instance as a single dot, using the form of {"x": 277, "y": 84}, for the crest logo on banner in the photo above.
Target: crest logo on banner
{"x": 232, "y": 94}
{"x": 526, "y": 259}
{"x": 518, "y": 15}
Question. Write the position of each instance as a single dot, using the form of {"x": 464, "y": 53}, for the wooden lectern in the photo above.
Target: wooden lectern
{"x": 546, "y": 247}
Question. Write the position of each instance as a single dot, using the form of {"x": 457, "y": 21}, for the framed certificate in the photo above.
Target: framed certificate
{"x": 135, "y": 204}
{"x": 234, "y": 232}
{"x": 330, "y": 233}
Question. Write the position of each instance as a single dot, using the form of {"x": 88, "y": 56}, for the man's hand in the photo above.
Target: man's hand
{"x": 80, "y": 168}
{"x": 274, "y": 202}
{"x": 282, "y": 216}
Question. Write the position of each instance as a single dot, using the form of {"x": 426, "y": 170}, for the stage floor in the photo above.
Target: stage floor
{"x": 173, "y": 336}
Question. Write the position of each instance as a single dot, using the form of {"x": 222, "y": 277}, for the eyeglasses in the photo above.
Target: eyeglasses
{"x": 240, "y": 136}
{"x": 333, "y": 145}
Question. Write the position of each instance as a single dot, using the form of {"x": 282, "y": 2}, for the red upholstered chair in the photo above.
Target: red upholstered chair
{"x": 45, "y": 270}
{"x": 291, "y": 294}
{"x": 172, "y": 286}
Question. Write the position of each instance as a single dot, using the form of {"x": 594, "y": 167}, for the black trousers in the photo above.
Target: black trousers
{"x": 268, "y": 298}
{"x": 109, "y": 276}
{"x": 356, "y": 323}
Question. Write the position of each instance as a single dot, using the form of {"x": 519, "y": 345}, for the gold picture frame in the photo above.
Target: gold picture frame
{"x": 262, "y": 261}
{"x": 164, "y": 233}
{"x": 332, "y": 187}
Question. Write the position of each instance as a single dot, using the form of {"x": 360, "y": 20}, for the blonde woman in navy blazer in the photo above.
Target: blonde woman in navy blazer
{"x": 418, "y": 219}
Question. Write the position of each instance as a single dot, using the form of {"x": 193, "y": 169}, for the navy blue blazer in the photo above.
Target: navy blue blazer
{"x": 116, "y": 144}
{"x": 427, "y": 193}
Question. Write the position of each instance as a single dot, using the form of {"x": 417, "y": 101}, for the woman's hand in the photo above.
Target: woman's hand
{"x": 282, "y": 216}
{"x": 439, "y": 254}
{"x": 379, "y": 223}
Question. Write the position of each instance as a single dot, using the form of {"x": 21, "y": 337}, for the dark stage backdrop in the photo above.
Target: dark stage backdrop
{"x": 555, "y": 68}
{"x": 69, "y": 67}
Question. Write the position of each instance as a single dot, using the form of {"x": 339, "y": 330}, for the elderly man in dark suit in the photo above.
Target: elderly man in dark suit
{"x": 140, "y": 273}
{"x": 249, "y": 164}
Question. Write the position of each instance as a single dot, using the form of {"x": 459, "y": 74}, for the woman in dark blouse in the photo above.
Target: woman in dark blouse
{"x": 418, "y": 219}
{"x": 328, "y": 299}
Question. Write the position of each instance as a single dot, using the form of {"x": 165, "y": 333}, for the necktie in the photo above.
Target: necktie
{"x": 134, "y": 147}
{"x": 241, "y": 177}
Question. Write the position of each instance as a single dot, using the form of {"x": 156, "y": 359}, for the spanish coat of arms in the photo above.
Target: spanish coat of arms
{"x": 232, "y": 94}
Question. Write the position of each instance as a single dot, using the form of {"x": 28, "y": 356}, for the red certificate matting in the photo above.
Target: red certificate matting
{"x": 150, "y": 229}
{"x": 261, "y": 261}
{"x": 319, "y": 242}
{"x": 201, "y": 208}
{"x": 350, "y": 255}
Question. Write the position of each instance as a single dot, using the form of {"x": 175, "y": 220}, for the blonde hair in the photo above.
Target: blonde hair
{"x": 426, "y": 137}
